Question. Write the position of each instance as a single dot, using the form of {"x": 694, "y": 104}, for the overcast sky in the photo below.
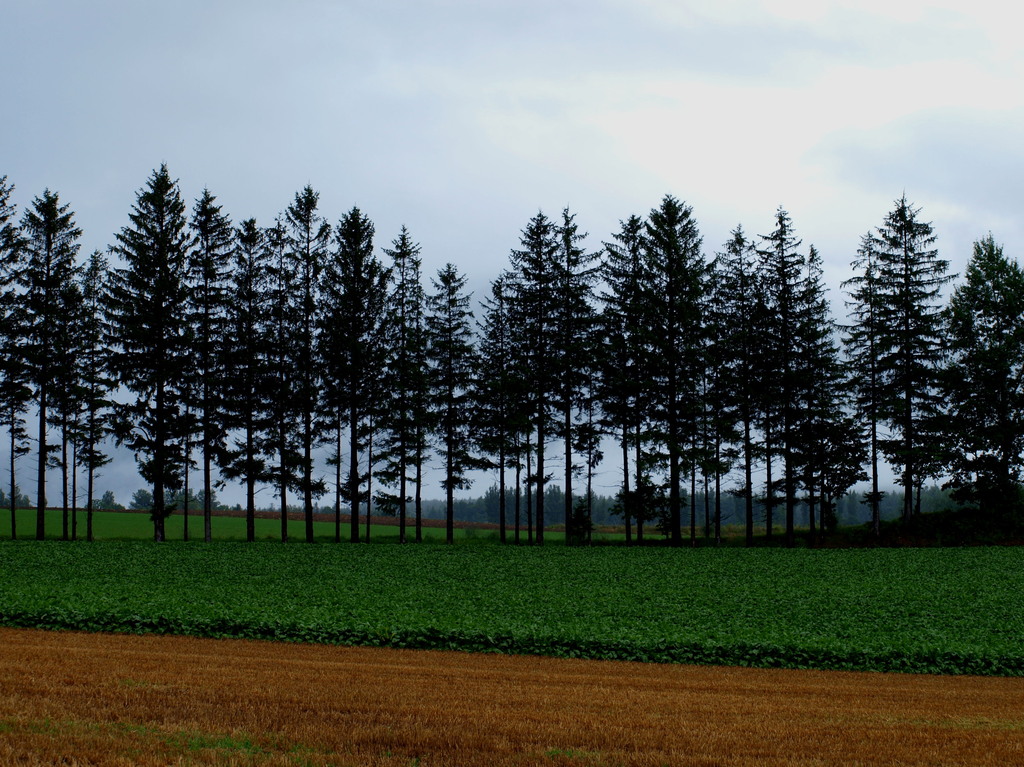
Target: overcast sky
{"x": 462, "y": 119}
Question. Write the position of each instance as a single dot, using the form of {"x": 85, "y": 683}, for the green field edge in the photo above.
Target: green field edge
{"x": 687, "y": 653}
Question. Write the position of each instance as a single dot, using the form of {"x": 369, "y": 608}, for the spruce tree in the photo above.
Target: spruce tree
{"x": 208, "y": 270}
{"x": 405, "y": 412}
{"x": 45, "y": 275}
{"x": 741, "y": 333}
{"x": 675, "y": 295}
{"x": 626, "y": 385}
{"x": 983, "y": 382}
{"x": 308, "y": 238}
{"x": 574, "y": 321}
{"x": 353, "y": 345}
{"x": 15, "y": 392}
{"x": 830, "y": 446}
{"x": 783, "y": 269}
{"x": 149, "y": 336}
{"x": 911, "y": 344}
{"x": 534, "y": 282}
{"x": 863, "y": 339}
{"x": 283, "y": 440}
{"x": 248, "y": 361}
{"x": 95, "y": 382}
{"x": 450, "y": 352}
{"x": 500, "y": 416}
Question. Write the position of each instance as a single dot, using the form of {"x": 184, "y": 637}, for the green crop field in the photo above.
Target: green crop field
{"x": 923, "y": 610}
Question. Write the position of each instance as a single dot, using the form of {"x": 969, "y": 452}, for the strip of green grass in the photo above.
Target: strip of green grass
{"x": 115, "y": 526}
{"x": 924, "y": 610}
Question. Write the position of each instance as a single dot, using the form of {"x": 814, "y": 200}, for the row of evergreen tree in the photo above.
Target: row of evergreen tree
{"x": 243, "y": 350}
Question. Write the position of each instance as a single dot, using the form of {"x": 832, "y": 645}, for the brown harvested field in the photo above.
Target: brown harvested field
{"x": 72, "y": 698}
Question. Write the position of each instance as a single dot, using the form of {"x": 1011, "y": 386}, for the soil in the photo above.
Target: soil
{"x": 97, "y": 699}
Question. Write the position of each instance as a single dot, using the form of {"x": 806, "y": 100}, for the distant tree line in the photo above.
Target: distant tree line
{"x": 240, "y": 351}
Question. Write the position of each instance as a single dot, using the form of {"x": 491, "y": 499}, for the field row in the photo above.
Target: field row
{"x": 924, "y": 610}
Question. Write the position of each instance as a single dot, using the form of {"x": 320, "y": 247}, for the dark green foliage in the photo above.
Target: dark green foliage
{"x": 674, "y": 298}
{"x": 983, "y": 382}
{"x": 740, "y": 321}
{"x": 573, "y": 349}
{"x": 307, "y": 240}
{"x": 862, "y": 344}
{"x": 46, "y": 274}
{"x": 882, "y": 610}
{"x": 532, "y": 282}
{"x": 209, "y": 267}
{"x": 500, "y": 417}
{"x": 148, "y": 339}
{"x": 450, "y": 351}
{"x": 626, "y": 382}
{"x": 910, "y": 348}
{"x": 353, "y": 340}
{"x": 15, "y": 391}
{"x": 283, "y": 441}
{"x": 405, "y": 416}
{"x": 94, "y": 380}
{"x": 782, "y": 268}
{"x": 247, "y": 349}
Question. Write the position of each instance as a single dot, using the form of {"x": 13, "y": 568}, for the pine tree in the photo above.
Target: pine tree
{"x": 626, "y": 384}
{"x": 148, "y": 336}
{"x": 830, "y": 447}
{"x": 450, "y": 352}
{"x": 574, "y": 320}
{"x": 533, "y": 282}
{"x": 742, "y": 334}
{"x": 783, "y": 269}
{"x": 910, "y": 278}
{"x": 404, "y": 415}
{"x": 500, "y": 418}
{"x": 283, "y": 440}
{"x": 45, "y": 275}
{"x": 95, "y": 382}
{"x": 675, "y": 295}
{"x": 308, "y": 238}
{"x": 247, "y": 389}
{"x": 983, "y": 381}
{"x": 353, "y": 344}
{"x": 863, "y": 350}
{"x": 208, "y": 270}
{"x": 15, "y": 392}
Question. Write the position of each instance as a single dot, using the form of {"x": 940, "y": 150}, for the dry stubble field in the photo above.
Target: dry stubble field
{"x": 73, "y": 698}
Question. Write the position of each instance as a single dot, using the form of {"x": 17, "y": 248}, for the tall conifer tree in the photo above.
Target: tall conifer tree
{"x": 354, "y": 343}
{"x": 450, "y": 351}
{"x": 911, "y": 346}
{"x": 983, "y": 381}
{"x": 534, "y": 282}
{"x": 15, "y": 392}
{"x": 404, "y": 414}
{"x": 308, "y": 239}
{"x": 148, "y": 336}
{"x": 46, "y": 275}
{"x": 574, "y": 322}
{"x": 209, "y": 267}
{"x": 675, "y": 293}
{"x": 783, "y": 269}
{"x": 626, "y": 383}
{"x": 248, "y": 358}
{"x": 96, "y": 384}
